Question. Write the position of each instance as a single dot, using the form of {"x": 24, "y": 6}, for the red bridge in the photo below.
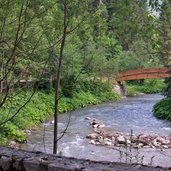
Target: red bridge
{"x": 144, "y": 73}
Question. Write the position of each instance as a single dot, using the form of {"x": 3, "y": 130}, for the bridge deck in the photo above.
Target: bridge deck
{"x": 144, "y": 73}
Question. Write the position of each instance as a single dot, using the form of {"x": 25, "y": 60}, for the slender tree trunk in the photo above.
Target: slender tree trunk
{"x": 57, "y": 82}
{"x": 1, "y": 86}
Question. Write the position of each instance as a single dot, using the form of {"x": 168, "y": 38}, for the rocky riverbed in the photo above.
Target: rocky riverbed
{"x": 100, "y": 136}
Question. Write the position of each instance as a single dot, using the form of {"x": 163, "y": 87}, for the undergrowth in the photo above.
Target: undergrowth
{"x": 148, "y": 86}
{"x": 41, "y": 108}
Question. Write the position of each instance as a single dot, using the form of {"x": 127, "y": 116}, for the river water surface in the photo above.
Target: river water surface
{"x": 132, "y": 113}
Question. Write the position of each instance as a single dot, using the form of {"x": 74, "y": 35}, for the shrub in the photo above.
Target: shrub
{"x": 11, "y": 131}
{"x": 132, "y": 90}
{"x": 35, "y": 112}
{"x": 162, "y": 109}
{"x": 148, "y": 86}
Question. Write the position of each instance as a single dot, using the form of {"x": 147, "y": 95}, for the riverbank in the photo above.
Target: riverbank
{"x": 40, "y": 108}
{"x": 122, "y": 116}
{"x": 162, "y": 109}
{"x": 148, "y": 86}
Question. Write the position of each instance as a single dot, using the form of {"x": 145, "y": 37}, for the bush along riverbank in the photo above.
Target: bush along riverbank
{"x": 162, "y": 109}
{"x": 41, "y": 107}
{"x": 147, "y": 86}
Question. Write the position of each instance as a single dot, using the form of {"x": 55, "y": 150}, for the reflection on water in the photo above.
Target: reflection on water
{"x": 133, "y": 113}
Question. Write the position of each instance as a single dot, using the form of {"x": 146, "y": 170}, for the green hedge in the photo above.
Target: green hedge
{"x": 41, "y": 107}
{"x": 162, "y": 109}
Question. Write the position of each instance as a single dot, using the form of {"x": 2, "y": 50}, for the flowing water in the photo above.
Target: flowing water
{"x": 132, "y": 113}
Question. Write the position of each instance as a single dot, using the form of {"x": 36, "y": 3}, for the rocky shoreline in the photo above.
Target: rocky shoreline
{"x": 100, "y": 136}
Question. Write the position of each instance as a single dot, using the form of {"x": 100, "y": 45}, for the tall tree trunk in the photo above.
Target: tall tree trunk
{"x": 57, "y": 82}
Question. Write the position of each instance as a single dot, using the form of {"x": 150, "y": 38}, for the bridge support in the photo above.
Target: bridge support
{"x": 123, "y": 89}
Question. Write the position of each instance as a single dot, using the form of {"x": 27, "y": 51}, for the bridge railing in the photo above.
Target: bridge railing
{"x": 144, "y": 73}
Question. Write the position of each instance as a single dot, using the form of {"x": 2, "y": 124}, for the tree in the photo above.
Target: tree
{"x": 128, "y": 21}
{"x": 20, "y": 50}
{"x": 165, "y": 37}
{"x": 58, "y": 73}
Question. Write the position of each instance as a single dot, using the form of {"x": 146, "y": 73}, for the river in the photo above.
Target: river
{"x": 132, "y": 113}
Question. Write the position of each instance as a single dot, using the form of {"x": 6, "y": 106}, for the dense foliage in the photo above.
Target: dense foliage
{"x": 103, "y": 37}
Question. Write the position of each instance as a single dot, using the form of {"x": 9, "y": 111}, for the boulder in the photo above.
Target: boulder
{"x": 140, "y": 145}
{"x": 121, "y": 139}
{"x": 113, "y": 140}
{"x": 107, "y": 141}
{"x": 92, "y": 136}
{"x": 52, "y": 122}
{"x": 156, "y": 143}
{"x": 101, "y": 139}
{"x": 96, "y": 124}
{"x": 145, "y": 139}
{"x": 165, "y": 146}
{"x": 107, "y": 134}
{"x": 133, "y": 139}
{"x": 13, "y": 144}
{"x": 128, "y": 141}
{"x": 87, "y": 118}
{"x": 163, "y": 141}
{"x": 92, "y": 142}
